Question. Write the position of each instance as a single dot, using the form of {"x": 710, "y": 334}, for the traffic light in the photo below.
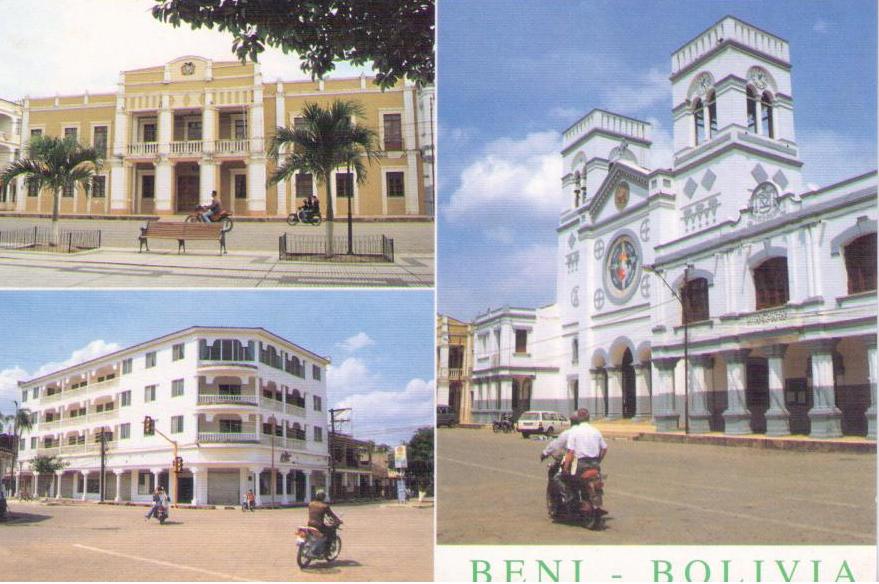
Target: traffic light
{"x": 178, "y": 464}
{"x": 149, "y": 426}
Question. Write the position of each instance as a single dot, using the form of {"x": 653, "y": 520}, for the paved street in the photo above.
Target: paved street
{"x": 252, "y": 260}
{"x": 96, "y": 542}
{"x": 492, "y": 491}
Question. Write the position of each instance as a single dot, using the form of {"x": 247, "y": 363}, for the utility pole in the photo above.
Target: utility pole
{"x": 682, "y": 299}
{"x": 274, "y": 478}
{"x": 14, "y": 450}
{"x": 333, "y": 413}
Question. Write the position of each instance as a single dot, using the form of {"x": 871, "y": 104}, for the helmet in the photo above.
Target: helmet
{"x": 320, "y": 495}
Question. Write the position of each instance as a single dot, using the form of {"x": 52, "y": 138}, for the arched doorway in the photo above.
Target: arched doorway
{"x": 628, "y": 381}
{"x": 574, "y": 391}
{"x": 455, "y": 397}
{"x": 521, "y": 396}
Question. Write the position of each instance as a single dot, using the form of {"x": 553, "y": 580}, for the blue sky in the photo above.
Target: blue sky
{"x": 83, "y": 45}
{"x": 514, "y": 74}
{"x": 380, "y": 343}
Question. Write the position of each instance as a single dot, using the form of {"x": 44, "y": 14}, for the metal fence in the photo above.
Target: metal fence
{"x": 39, "y": 238}
{"x": 369, "y": 248}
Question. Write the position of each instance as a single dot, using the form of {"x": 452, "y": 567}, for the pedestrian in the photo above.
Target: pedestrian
{"x": 157, "y": 500}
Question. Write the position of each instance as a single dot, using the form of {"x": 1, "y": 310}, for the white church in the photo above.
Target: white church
{"x": 766, "y": 286}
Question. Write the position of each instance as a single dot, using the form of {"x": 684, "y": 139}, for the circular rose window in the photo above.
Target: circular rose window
{"x": 622, "y": 268}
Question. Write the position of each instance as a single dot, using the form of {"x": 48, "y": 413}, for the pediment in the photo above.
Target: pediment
{"x": 624, "y": 185}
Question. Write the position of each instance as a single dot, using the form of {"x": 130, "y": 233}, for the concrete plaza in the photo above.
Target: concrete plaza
{"x": 657, "y": 493}
{"x": 252, "y": 260}
{"x": 91, "y": 542}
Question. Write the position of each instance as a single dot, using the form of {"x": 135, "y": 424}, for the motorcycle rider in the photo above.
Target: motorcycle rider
{"x": 557, "y": 449}
{"x": 586, "y": 449}
{"x": 310, "y": 206}
{"x": 318, "y": 511}
{"x": 215, "y": 208}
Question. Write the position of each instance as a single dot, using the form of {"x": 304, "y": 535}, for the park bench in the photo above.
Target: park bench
{"x": 182, "y": 232}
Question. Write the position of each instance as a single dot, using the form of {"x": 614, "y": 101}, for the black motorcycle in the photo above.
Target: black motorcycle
{"x": 505, "y": 424}
{"x": 308, "y": 215}
{"x": 3, "y": 506}
{"x": 307, "y": 539}
{"x": 565, "y": 497}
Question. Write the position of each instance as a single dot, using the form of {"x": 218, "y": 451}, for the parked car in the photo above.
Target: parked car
{"x": 542, "y": 422}
{"x": 446, "y": 416}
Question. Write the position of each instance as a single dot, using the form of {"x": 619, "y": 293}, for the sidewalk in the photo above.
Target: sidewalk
{"x": 202, "y": 267}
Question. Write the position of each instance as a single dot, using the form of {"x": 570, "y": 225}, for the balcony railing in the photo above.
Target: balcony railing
{"x": 226, "y": 437}
{"x": 232, "y": 146}
{"x": 456, "y": 374}
{"x": 44, "y": 425}
{"x": 106, "y": 415}
{"x": 186, "y": 147}
{"x": 143, "y": 148}
{"x": 248, "y": 399}
{"x": 294, "y": 410}
{"x": 48, "y": 450}
{"x": 271, "y": 404}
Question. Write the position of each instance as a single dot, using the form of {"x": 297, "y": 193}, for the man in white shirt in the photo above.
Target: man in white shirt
{"x": 586, "y": 446}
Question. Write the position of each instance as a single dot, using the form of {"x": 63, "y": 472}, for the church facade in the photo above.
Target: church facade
{"x": 718, "y": 295}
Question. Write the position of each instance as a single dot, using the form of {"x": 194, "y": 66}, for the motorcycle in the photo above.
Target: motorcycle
{"x": 247, "y": 506}
{"x": 505, "y": 424}
{"x": 224, "y": 217}
{"x": 309, "y": 216}
{"x": 307, "y": 539}
{"x": 567, "y": 501}
{"x": 3, "y": 505}
{"x": 162, "y": 514}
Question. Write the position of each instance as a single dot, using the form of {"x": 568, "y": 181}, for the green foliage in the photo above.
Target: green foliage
{"x": 397, "y": 36}
{"x": 47, "y": 464}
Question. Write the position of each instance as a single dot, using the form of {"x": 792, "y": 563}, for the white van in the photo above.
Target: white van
{"x": 541, "y": 422}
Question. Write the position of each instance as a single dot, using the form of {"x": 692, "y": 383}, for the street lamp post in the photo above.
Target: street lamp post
{"x": 682, "y": 299}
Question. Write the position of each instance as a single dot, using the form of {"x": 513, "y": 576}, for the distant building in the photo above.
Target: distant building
{"x": 454, "y": 345}
{"x": 10, "y": 147}
{"x": 359, "y": 468}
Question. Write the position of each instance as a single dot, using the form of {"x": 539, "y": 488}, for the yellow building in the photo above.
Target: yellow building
{"x": 454, "y": 345}
{"x": 174, "y": 133}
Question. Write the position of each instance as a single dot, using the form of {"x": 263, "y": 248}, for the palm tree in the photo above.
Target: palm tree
{"x": 326, "y": 140}
{"x": 19, "y": 421}
{"x": 54, "y": 163}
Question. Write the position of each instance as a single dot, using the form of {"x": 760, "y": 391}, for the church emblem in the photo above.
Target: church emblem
{"x": 758, "y": 78}
{"x": 621, "y": 196}
{"x": 622, "y": 264}
{"x": 188, "y": 68}
{"x": 575, "y": 296}
{"x": 704, "y": 84}
{"x": 764, "y": 200}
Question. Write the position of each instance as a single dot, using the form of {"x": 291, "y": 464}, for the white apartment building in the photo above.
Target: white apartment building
{"x": 237, "y": 401}
{"x": 775, "y": 282}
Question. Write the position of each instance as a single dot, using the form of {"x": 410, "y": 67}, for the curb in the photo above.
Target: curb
{"x": 764, "y": 443}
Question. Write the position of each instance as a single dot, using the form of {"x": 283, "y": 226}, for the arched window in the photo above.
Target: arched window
{"x": 712, "y": 115}
{"x": 699, "y": 121}
{"x": 752, "y": 110}
{"x": 766, "y": 120}
{"x": 575, "y": 351}
{"x": 577, "y": 188}
{"x": 860, "y": 264}
{"x": 694, "y": 297}
{"x": 770, "y": 283}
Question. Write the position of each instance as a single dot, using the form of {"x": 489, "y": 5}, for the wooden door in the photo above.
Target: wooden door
{"x": 187, "y": 192}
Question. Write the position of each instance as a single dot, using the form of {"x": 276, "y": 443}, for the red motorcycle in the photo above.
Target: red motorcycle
{"x": 224, "y": 217}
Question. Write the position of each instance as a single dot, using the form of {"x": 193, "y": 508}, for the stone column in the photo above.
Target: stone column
{"x": 284, "y": 476}
{"x": 642, "y": 391}
{"x": 58, "y": 475}
{"x": 132, "y": 488}
{"x": 614, "y": 393}
{"x": 871, "y": 368}
{"x": 777, "y": 416}
{"x": 281, "y": 120}
{"x": 596, "y": 403}
{"x": 75, "y": 485}
{"x": 256, "y": 471}
{"x": 196, "y": 484}
{"x": 118, "y": 186}
{"x": 35, "y": 490}
{"x": 736, "y": 417}
{"x": 118, "y": 495}
{"x": 665, "y": 414}
{"x": 85, "y": 483}
{"x": 825, "y": 417}
{"x": 307, "y": 486}
{"x": 700, "y": 417}
{"x": 413, "y": 182}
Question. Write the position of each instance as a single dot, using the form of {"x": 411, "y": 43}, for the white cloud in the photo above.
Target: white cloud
{"x": 351, "y": 376}
{"x": 821, "y": 26}
{"x": 511, "y": 177}
{"x": 356, "y": 342}
{"x": 9, "y": 378}
{"x": 829, "y": 157}
{"x": 83, "y": 45}
{"x": 647, "y": 90}
{"x": 662, "y": 149}
{"x": 387, "y": 415}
